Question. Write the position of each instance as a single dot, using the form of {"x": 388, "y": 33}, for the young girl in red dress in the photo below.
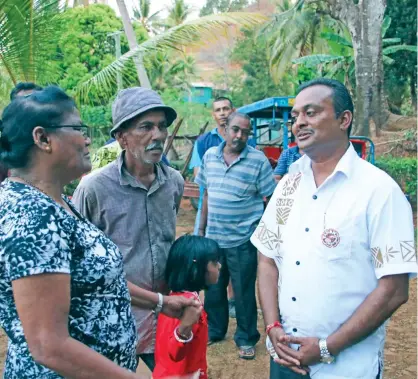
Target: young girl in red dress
{"x": 180, "y": 349}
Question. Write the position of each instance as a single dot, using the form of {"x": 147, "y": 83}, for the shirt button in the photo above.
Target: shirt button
{"x": 306, "y": 229}
{"x": 297, "y": 263}
{"x": 295, "y": 330}
{"x": 294, "y": 298}
{"x": 314, "y": 197}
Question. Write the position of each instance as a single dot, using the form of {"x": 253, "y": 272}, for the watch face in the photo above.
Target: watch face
{"x": 328, "y": 359}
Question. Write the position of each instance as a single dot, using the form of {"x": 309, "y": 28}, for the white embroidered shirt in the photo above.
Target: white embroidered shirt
{"x": 331, "y": 245}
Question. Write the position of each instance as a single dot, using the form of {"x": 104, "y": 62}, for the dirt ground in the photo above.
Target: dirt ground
{"x": 400, "y": 351}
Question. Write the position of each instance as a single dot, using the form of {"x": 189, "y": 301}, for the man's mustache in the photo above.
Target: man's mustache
{"x": 155, "y": 146}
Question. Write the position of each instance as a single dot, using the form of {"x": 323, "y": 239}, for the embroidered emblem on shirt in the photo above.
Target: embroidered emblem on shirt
{"x": 408, "y": 251}
{"x": 283, "y": 208}
{"x": 330, "y": 238}
{"x": 291, "y": 184}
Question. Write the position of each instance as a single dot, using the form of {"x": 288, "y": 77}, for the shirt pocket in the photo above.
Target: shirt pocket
{"x": 337, "y": 238}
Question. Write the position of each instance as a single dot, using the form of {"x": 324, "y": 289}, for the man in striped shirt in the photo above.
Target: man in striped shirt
{"x": 236, "y": 178}
{"x": 287, "y": 157}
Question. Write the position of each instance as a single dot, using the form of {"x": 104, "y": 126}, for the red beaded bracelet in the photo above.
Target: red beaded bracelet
{"x": 275, "y": 324}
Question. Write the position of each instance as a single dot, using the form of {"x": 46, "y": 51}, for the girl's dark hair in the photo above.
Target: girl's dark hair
{"x": 187, "y": 262}
{"x": 45, "y": 107}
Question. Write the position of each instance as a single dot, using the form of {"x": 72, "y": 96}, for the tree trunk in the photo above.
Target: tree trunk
{"x": 130, "y": 35}
{"x": 364, "y": 21}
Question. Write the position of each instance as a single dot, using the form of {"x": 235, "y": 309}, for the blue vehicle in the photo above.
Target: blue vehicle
{"x": 271, "y": 128}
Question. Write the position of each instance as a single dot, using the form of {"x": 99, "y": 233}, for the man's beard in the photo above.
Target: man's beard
{"x": 238, "y": 145}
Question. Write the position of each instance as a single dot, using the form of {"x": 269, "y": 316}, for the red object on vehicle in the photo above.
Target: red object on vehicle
{"x": 360, "y": 147}
{"x": 272, "y": 152}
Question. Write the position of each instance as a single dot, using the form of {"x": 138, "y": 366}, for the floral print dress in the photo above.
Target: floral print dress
{"x": 38, "y": 236}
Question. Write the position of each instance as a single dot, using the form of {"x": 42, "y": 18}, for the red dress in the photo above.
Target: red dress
{"x": 173, "y": 358}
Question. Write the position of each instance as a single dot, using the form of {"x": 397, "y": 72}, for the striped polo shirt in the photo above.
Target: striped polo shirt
{"x": 235, "y": 193}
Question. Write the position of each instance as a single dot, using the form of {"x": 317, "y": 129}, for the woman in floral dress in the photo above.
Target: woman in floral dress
{"x": 64, "y": 299}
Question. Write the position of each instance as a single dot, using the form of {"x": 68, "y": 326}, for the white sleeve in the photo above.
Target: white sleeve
{"x": 391, "y": 232}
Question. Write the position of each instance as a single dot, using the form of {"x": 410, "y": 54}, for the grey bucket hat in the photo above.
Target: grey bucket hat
{"x": 131, "y": 102}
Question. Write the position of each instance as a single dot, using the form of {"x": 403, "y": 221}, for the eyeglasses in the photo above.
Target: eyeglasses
{"x": 83, "y": 129}
{"x": 245, "y": 132}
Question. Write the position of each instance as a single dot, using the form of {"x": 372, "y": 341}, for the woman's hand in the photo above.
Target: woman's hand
{"x": 191, "y": 316}
{"x": 174, "y": 306}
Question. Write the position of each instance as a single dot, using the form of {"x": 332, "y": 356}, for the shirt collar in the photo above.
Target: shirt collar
{"x": 216, "y": 133}
{"x": 126, "y": 179}
{"x": 219, "y": 151}
{"x": 345, "y": 164}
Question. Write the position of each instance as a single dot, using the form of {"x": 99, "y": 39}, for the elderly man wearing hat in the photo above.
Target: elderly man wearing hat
{"x": 134, "y": 200}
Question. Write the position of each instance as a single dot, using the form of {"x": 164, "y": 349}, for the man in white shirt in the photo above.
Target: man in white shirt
{"x": 338, "y": 239}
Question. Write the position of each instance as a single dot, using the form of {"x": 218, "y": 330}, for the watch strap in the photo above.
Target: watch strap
{"x": 324, "y": 348}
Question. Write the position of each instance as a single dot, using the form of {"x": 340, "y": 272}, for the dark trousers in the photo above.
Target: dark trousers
{"x": 148, "y": 359}
{"x": 240, "y": 264}
{"x": 281, "y": 372}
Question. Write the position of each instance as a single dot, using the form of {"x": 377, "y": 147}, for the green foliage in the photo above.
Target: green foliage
{"x": 84, "y": 46}
{"x": 295, "y": 31}
{"x": 99, "y": 118}
{"x": 70, "y": 188}
{"x": 256, "y": 82}
{"x": 401, "y": 78}
{"x": 189, "y": 33}
{"x": 222, "y": 6}
{"x": 340, "y": 65}
{"x": 403, "y": 171}
{"x": 177, "y": 13}
{"x": 170, "y": 70}
{"x": 194, "y": 115}
{"x": 27, "y": 29}
{"x": 150, "y": 22}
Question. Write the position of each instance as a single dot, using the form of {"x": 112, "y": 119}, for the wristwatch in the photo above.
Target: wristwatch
{"x": 159, "y": 305}
{"x": 326, "y": 356}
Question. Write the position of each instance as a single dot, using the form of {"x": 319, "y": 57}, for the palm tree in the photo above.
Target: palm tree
{"x": 133, "y": 44}
{"x": 150, "y": 22}
{"x": 26, "y": 26}
{"x": 171, "y": 70}
{"x": 341, "y": 64}
{"x": 295, "y": 31}
{"x": 190, "y": 33}
{"x": 178, "y": 13}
